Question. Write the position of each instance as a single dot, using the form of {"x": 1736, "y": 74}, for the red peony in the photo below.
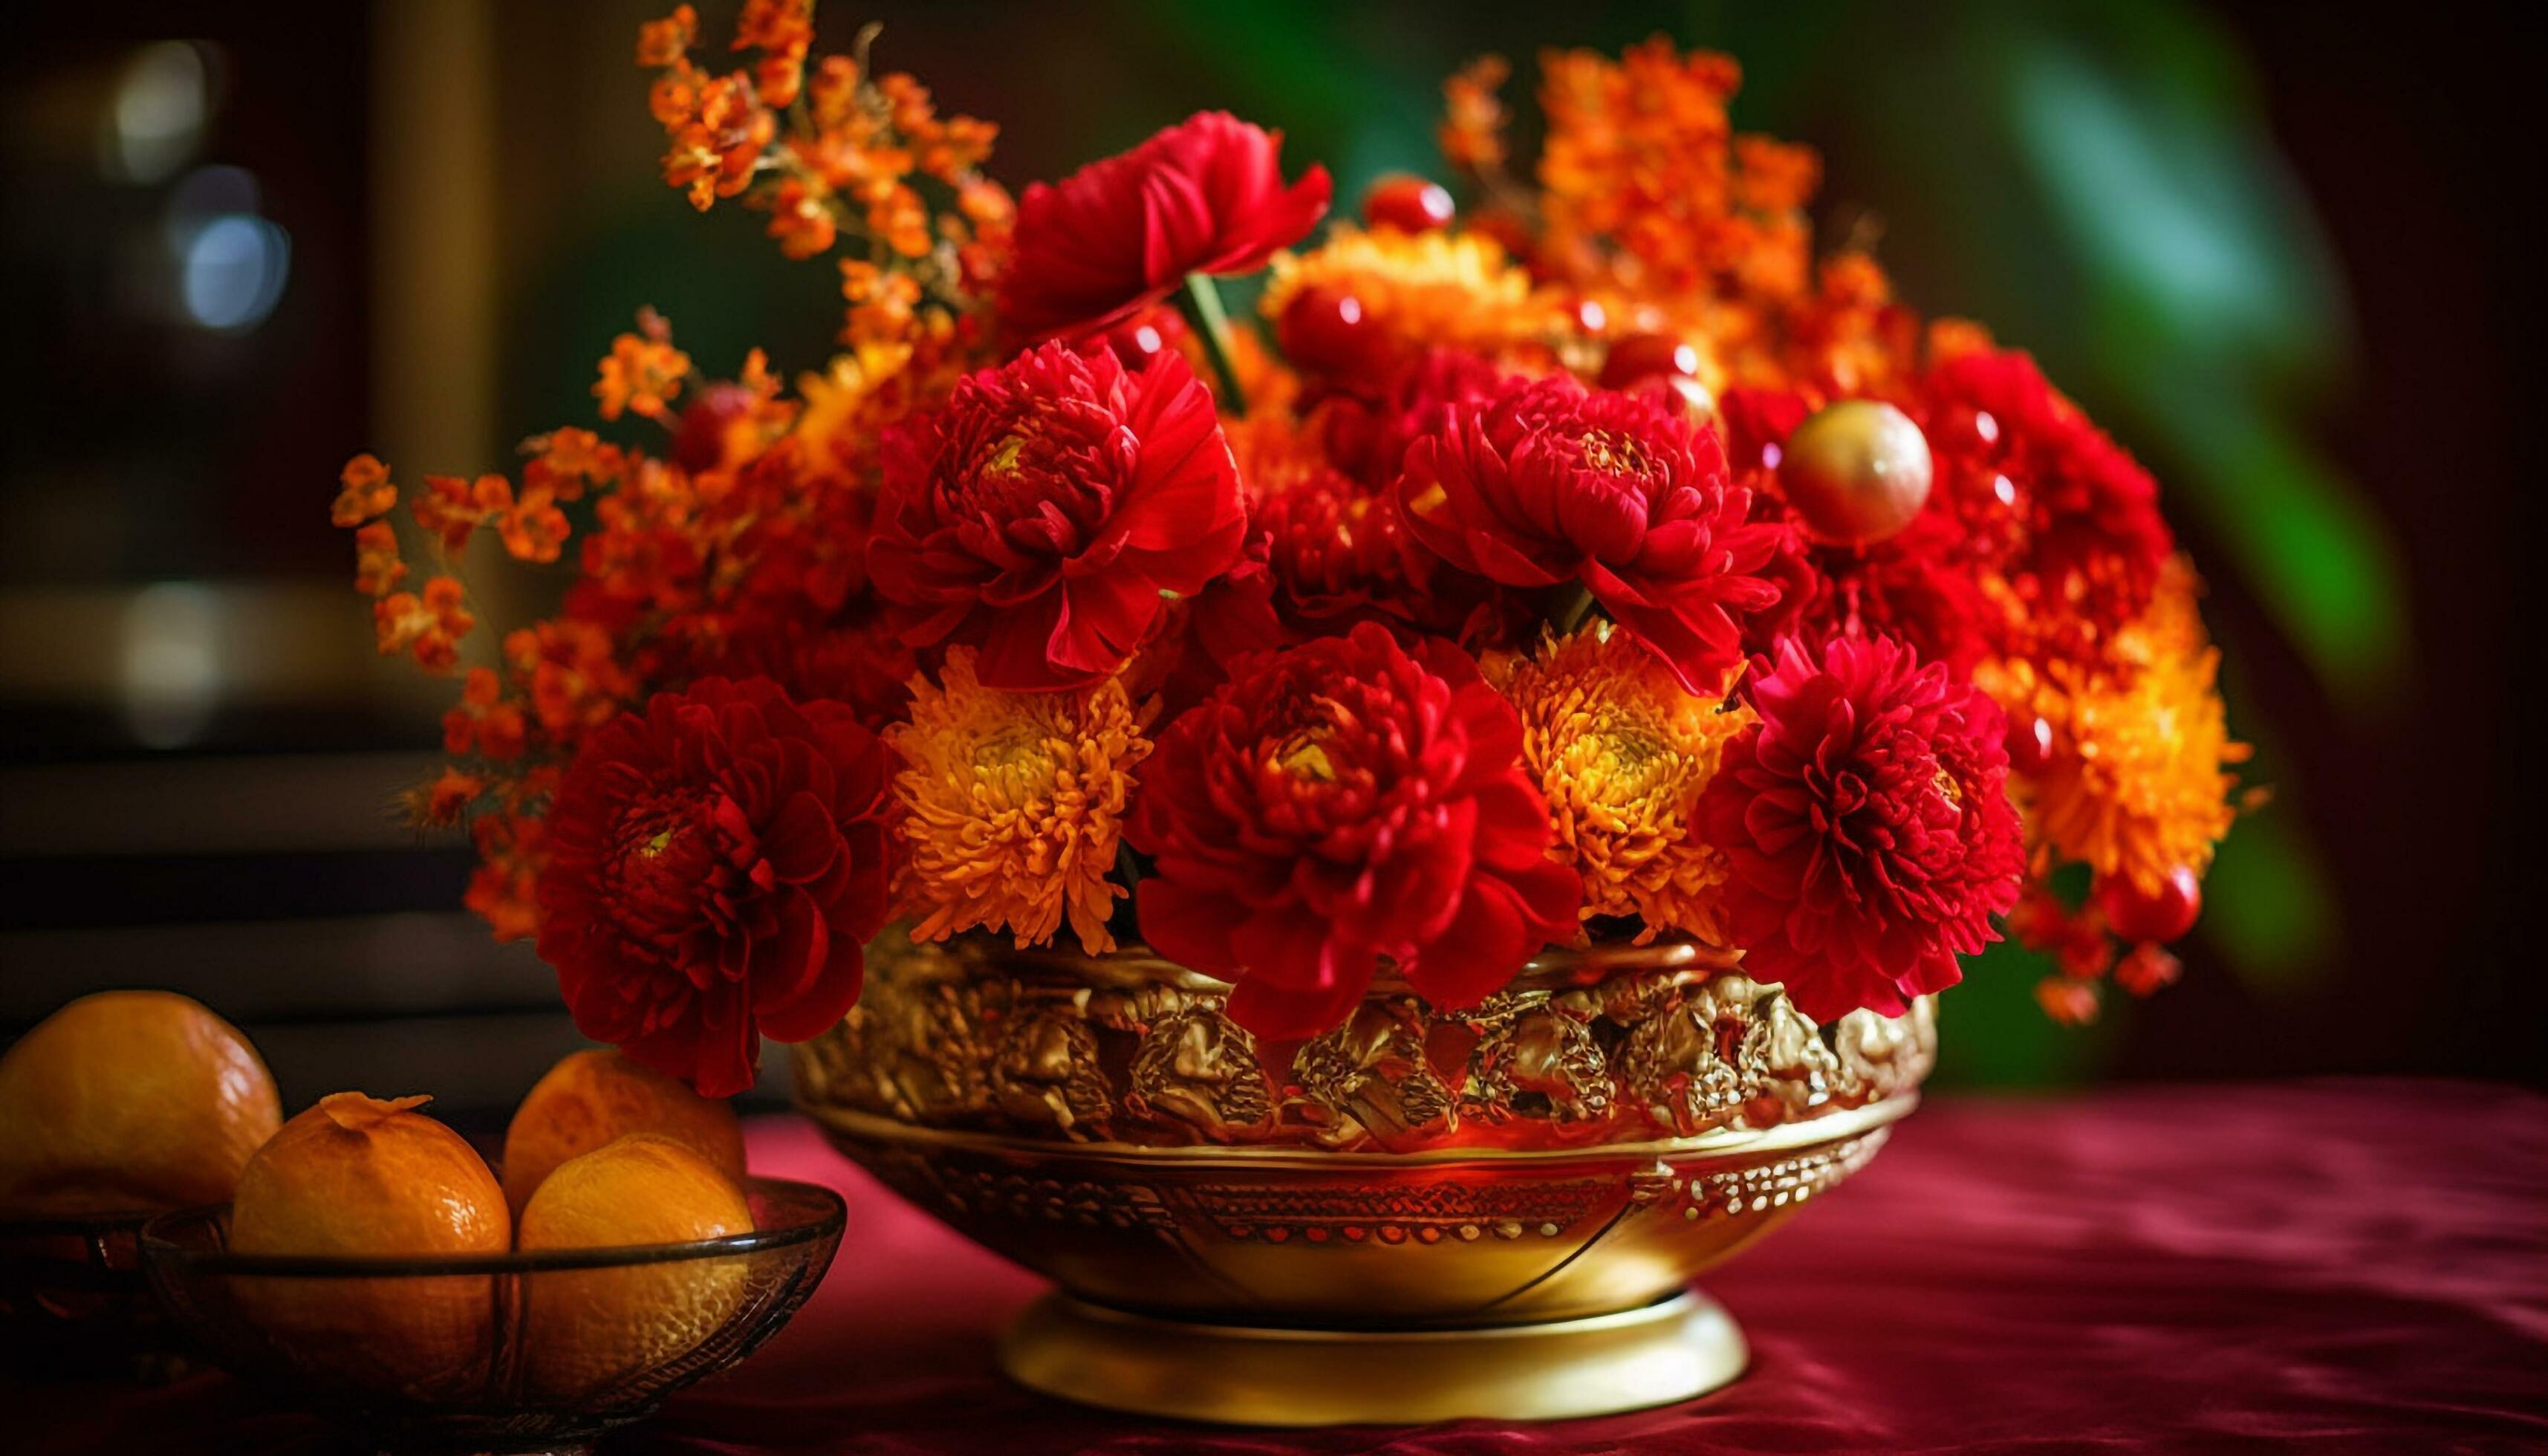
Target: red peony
{"x": 1042, "y": 514}
{"x": 714, "y": 866}
{"x": 1204, "y": 196}
{"x": 1552, "y": 482}
{"x": 1340, "y": 802}
{"x": 1868, "y": 827}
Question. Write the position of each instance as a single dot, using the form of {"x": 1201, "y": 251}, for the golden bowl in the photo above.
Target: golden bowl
{"x": 1426, "y": 1214}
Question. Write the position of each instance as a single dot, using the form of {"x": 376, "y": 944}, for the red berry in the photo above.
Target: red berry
{"x": 1640, "y": 354}
{"x": 2162, "y": 917}
{"x": 699, "y": 438}
{"x": 2030, "y": 743}
{"x": 1145, "y": 336}
{"x": 1408, "y": 202}
{"x": 1325, "y": 331}
{"x": 1681, "y": 391}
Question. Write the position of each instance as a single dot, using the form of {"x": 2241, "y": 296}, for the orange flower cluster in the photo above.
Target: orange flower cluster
{"x": 1643, "y": 179}
{"x": 842, "y": 153}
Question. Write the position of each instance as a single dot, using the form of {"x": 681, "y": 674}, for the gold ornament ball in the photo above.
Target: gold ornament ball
{"x": 1858, "y": 472}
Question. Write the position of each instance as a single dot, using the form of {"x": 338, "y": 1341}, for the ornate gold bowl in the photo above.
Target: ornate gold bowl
{"x": 1426, "y": 1214}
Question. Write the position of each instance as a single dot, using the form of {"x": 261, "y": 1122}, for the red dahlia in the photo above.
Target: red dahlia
{"x": 1204, "y": 196}
{"x": 1868, "y": 827}
{"x": 1042, "y": 513}
{"x": 1552, "y": 482}
{"x": 714, "y": 866}
{"x": 1339, "y": 802}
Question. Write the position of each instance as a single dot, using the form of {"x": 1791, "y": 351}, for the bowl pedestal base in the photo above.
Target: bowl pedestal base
{"x": 1235, "y": 1375}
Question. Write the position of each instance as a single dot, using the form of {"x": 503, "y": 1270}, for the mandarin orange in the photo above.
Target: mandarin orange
{"x": 357, "y": 1176}
{"x": 587, "y": 1329}
{"x": 591, "y": 1098}
{"x": 130, "y": 1100}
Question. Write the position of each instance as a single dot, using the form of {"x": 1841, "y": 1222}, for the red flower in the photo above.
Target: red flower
{"x": 865, "y": 667}
{"x": 1368, "y": 438}
{"x": 2026, "y": 472}
{"x": 1204, "y": 196}
{"x": 1326, "y": 553}
{"x": 714, "y": 866}
{"x": 1337, "y": 803}
{"x": 1044, "y": 513}
{"x": 1868, "y": 827}
{"x": 1553, "y": 483}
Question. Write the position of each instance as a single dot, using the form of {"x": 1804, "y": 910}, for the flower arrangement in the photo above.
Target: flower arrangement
{"x": 1597, "y": 563}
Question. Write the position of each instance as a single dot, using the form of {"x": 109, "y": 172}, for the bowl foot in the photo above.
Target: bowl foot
{"x": 1234, "y": 1375}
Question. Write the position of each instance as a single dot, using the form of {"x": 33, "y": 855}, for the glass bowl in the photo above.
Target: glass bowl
{"x": 521, "y": 1351}
{"x": 74, "y": 1299}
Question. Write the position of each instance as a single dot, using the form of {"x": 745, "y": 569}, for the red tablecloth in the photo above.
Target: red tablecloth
{"x": 2348, "y": 1266}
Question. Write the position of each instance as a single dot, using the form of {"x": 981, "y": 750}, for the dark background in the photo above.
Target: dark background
{"x": 2287, "y": 253}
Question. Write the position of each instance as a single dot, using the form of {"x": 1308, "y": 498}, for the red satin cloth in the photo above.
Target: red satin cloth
{"x": 2336, "y": 1266}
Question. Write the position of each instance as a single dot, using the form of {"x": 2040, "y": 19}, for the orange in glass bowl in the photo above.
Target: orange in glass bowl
{"x": 512, "y": 1401}
{"x": 119, "y": 1106}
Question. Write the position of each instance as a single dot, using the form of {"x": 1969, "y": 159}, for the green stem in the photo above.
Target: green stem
{"x": 1200, "y": 302}
{"x": 1573, "y": 603}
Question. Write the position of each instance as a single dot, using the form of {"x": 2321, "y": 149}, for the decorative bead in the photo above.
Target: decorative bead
{"x": 1858, "y": 472}
{"x": 1408, "y": 202}
{"x": 1325, "y": 331}
{"x": 2165, "y": 916}
{"x": 1145, "y": 336}
{"x": 2030, "y": 743}
{"x": 1640, "y": 354}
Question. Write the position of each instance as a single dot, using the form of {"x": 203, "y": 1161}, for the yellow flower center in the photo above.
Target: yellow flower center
{"x": 1301, "y": 754}
{"x": 1004, "y": 460}
{"x": 1612, "y": 453}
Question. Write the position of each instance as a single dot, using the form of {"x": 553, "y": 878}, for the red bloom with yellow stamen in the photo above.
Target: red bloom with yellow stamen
{"x": 1046, "y": 511}
{"x": 1868, "y": 827}
{"x": 1204, "y": 196}
{"x": 1341, "y": 804}
{"x": 2019, "y": 464}
{"x": 1553, "y": 483}
{"x": 714, "y": 865}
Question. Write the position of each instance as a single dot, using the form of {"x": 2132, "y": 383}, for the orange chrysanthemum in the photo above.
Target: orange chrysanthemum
{"x": 1422, "y": 289}
{"x": 2137, "y": 781}
{"x": 1016, "y": 803}
{"x": 1621, "y": 750}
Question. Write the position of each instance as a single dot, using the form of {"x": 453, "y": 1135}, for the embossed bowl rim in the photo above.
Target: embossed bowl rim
{"x": 1747, "y": 1143}
{"x": 1561, "y": 968}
